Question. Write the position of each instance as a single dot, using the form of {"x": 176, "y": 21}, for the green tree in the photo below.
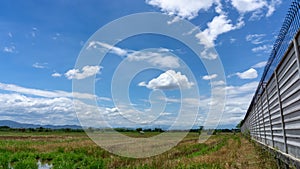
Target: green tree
{"x": 138, "y": 129}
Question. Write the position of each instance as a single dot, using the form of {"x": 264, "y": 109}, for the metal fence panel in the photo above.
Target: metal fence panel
{"x": 273, "y": 117}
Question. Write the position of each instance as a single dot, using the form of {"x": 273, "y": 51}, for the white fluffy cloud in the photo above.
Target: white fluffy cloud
{"x": 21, "y": 108}
{"x": 85, "y": 72}
{"x": 244, "y": 6}
{"x": 181, "y": 8}
{"x": 168, "y": 80}
{"x": 219, "y": 25}
{"x": 56, "y": 107}
{"x": 248, "y": 74}
{"x": 50, "y": 107}
{"x": 256, "y": 6}
{"x": 260, "y": 64}
{"x": 155, "y": 58}
{"x": 209, "y": 77}
{"x": 56, "y": 74}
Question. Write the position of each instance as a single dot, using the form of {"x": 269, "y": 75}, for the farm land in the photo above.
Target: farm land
{"x": 64, "y": 150}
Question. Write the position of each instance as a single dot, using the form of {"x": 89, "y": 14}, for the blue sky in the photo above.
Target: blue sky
{"x": 41, "y": 41}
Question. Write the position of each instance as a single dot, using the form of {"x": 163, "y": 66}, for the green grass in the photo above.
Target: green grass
{"x": 76, "y": 150}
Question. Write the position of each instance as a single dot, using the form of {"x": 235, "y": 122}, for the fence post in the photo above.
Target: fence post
{"x": 269, "y": 114}
{"x": 259, "y": 118}
{"x": 255, "y": 121}
{"x": 263, "y": 118}
{"x": 296, "y": 47}
{"x": 281, "y": 113}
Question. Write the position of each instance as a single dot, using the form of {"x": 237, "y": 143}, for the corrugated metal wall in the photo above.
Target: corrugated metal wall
{"x": 273, "y": 118}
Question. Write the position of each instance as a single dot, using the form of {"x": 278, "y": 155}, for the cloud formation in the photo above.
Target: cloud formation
{"x": 256, "y": 6}
{"x": 43, "y": 93}
{"x": 168, "y": 80}
{"x": 263, "y": 48}
{"x": 248, "y": 74}
{"x": 220, "y": 24}
{"x": 209, "y": 77}
{"x": 255, "y": 38}
{"x": 112, "y": 49}
{"x": 159, "y": 58}
{"x": 181, "y": 8}
{"x": 56, "y": 74}
{"x": 21, "y": 108}
{"x": 85, "y": 72}
{"x": 260, "y": 64}
{"x": 39, "y": 65}
{"x": 156, "y": 57}
{"x": 9, "y": 49}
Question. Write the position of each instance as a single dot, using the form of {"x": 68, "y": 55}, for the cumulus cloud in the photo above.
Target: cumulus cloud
{"x": 244, "y": 6}
{"x": 56, "y": 107}
{"x": 219, "y": 25}
{"x": 159, "y": 58}
{"x": 181, "y": 8}
{"x": 112, "y": 49}
{"x": 260, "y": 64}
{"x": 168, "y": 80}
{"x": 21, "y": 108}
{"x": 56, "y": 74}
{"x": 248, "y": 74}
{"x": 209, "y": 77}
{"x": 256, "y": 6}
{"x": 48, "y": 107}
{"x": 85, "y": 72}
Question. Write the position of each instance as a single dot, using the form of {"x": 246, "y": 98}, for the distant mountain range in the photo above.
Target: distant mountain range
{"x": 13, "y": 124}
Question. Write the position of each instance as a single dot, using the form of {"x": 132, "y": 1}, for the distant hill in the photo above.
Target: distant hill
{"x": 13, "y": 124}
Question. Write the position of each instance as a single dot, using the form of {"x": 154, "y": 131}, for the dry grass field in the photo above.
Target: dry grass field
{"x": 76, "y": 150}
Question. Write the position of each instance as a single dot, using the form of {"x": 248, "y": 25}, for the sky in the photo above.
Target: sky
{"x": 146, "y": 80}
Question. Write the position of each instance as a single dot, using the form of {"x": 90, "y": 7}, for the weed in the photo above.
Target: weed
{"x": 26, "y": 164}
